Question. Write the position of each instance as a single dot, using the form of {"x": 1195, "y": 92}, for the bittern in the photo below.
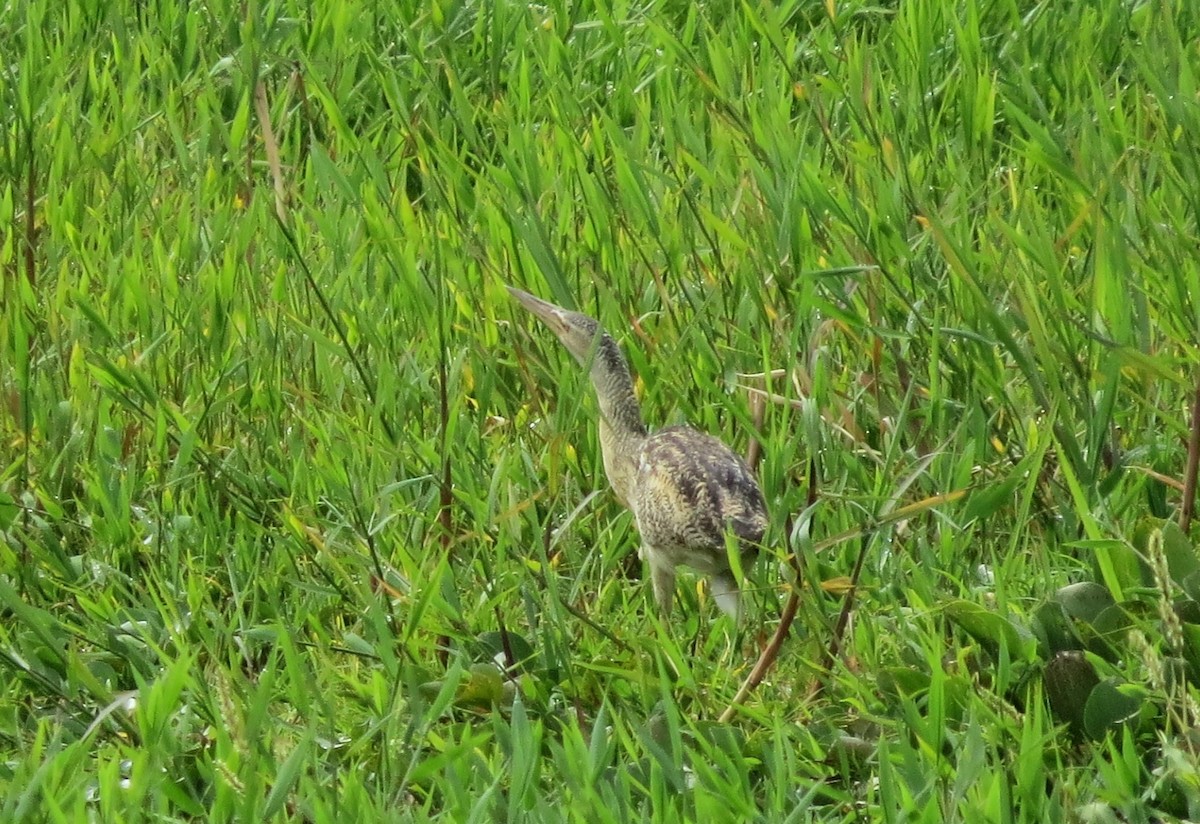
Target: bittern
{"x": 692, "y": 497}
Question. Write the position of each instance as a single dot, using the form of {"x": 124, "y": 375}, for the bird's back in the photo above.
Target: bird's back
{"x": 689, "y": 490}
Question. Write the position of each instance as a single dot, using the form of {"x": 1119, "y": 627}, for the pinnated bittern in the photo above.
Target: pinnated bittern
{"x": 689, "y": 493}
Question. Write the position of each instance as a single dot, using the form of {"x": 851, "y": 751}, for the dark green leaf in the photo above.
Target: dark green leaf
{"x": 1182, "y": 561}
{"x": 1084, "y": 600}
{"x": 991, "y": 629}
{"x": 492, "y": 647}
{"x": 1053, "y": 630}
{"x": 8, "y": 510}
{"x": 1110, "y": 704}
{"x": 903, "y": 680}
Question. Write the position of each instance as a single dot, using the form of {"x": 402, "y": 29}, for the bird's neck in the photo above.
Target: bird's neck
{"x": 620, "y": 411}
{"x": 614, "y": 390}
{"x": 622, "y": 431}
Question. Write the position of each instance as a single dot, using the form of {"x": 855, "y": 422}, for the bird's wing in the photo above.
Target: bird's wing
{"x": 690, "y": 488}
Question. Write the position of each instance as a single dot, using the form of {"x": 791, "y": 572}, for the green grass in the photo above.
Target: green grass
{"x": 303, "y": 519}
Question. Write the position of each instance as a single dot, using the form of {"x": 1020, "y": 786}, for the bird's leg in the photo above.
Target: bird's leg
{"x": 662, "y": 575}
{"x": 725, "y": 593}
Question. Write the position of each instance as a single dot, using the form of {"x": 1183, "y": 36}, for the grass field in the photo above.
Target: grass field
{"x": 303, "y": 519}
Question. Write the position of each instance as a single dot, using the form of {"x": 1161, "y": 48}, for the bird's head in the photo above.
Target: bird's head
{"x": 581, "y": 334}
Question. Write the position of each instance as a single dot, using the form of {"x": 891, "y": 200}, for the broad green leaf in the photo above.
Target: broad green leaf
{"x": 1084, "y": 600}
{"x": 491, "y": 645}
{"x": 991, "y": 629}
{"x": 8, "y": 510}
{"x": 1110, "y": 704}
{"x": 1182, "y": 560}
{"x": 483, "y": 688}
{"x": 1053, "y": 630}
{"x": 903, "y": 680}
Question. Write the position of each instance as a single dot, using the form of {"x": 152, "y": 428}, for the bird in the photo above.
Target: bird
{"x": 693, "y": 498}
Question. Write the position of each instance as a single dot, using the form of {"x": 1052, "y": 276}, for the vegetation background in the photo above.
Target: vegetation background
{"x": 302, "y": 520}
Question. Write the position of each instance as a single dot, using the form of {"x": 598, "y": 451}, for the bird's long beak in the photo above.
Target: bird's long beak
{"x": 551, "y": 315}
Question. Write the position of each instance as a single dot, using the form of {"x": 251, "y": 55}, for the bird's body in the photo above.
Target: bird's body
{"x": 692, "y": 497}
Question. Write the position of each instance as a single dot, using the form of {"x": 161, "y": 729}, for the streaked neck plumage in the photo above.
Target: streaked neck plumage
{"x": 622, "y": 431}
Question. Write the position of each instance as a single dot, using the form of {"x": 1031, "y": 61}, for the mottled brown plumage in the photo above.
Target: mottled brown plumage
{"x": 691, "y": 496}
